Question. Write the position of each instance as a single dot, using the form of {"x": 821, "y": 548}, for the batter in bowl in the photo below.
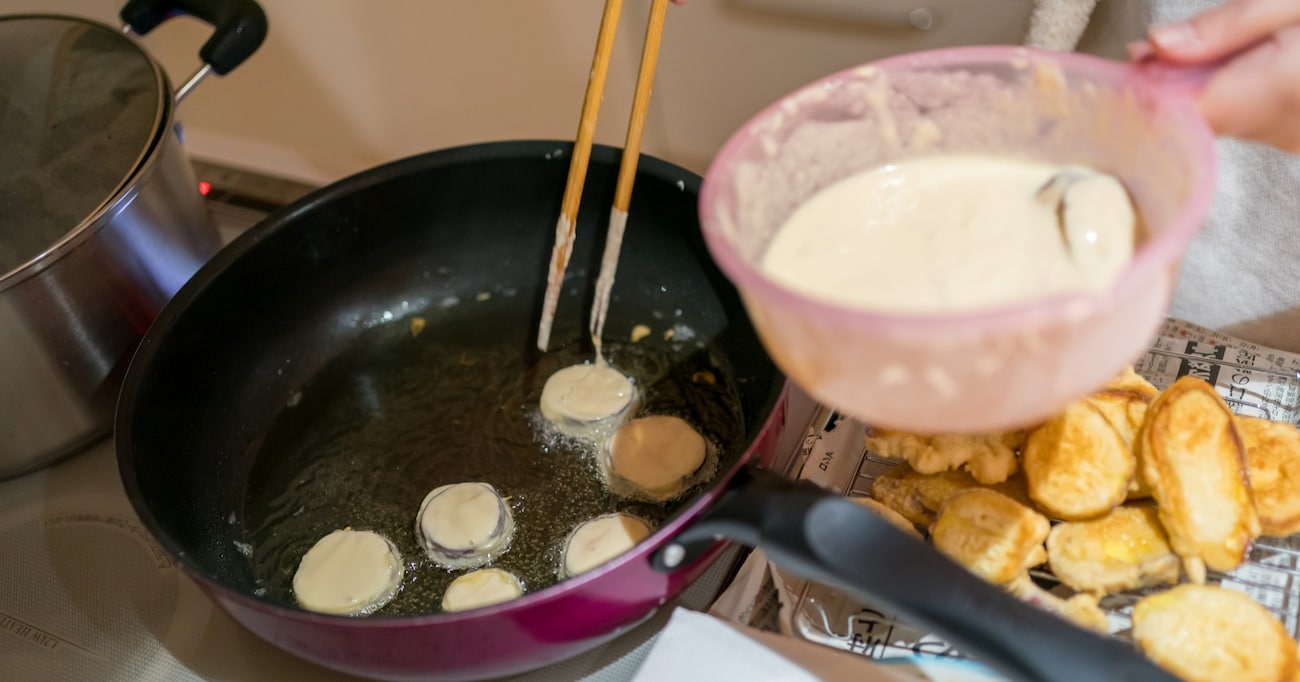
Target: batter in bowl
{"x": 955, "y": 233}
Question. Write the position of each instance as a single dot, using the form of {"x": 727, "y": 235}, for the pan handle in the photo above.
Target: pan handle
{"x": 823, "y": 537}
{"x": 239, "y": 27}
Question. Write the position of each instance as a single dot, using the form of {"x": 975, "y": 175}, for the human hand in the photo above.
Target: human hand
{"x": 1255, "y": 95}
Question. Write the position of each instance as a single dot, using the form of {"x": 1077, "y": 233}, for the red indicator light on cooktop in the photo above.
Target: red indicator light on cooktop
{"x": 204, "y": 187}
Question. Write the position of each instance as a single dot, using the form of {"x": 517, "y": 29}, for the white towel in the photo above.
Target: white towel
{"x": 696, "y": 647}
{"x": 1058, "y": 24}
{"x": 1242, "y": 273}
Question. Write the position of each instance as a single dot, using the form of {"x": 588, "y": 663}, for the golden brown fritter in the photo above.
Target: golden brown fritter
{"x": 1273, "y": 466}
{"x": 1077, "y": 465}
{"x": 1122, "y": 550}
{"x": 990, "y": 534}
{"x": 1081, "y": 609}
{"x": 1206, "y": 633}
{"x": 917, "y": 497}
{"x": 897, "y": 489}
{"x": 889, "y": 515}
{"x": 1126, "y": 410}
{"x": 936, "y": 489}
{"x": 1085, "y": 612}
{"x": 1194, "y": 461}
{"x": 989, "y": 458}
{"x": 1129, "y": 380}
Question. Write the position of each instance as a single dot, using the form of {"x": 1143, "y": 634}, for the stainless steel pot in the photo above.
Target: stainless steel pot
{"x": 101, "y": 220}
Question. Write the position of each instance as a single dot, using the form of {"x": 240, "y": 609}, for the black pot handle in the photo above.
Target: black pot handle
{"x": 239, "y": 26}
{"x": 825, "y": 538}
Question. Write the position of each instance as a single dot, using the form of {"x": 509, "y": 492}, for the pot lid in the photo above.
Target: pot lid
{"x": 80, "y": 106}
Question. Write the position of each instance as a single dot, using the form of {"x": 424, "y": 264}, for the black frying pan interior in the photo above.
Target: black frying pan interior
{"x": 297, "y": 340}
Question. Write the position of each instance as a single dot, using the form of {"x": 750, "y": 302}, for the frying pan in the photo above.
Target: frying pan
{"x": 293, "y": 361}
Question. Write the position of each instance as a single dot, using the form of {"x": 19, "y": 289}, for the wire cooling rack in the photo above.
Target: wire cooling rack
{"x": 1270, "y": 574}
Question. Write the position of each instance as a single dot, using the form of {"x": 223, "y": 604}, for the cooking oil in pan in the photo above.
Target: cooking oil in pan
{"x": 400, "y": 414}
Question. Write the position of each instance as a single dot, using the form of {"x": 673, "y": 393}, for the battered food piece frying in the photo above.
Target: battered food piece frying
{"x": 480, "y": 588}
{"x": 1193, "y": 459}
{"x": 588, "y": 401}
{"x": 989, "y": 458}
{"x": 1122, "y": 550}
{"x": 464, "y": 525}
{"x": 917, "y": 497}
{"x": 600, "y": 540}
{"x": 1077, "y": 465}
{"x": 652, "y": 458}
{"x": 1273, "y": 463}
{"x": 1206, "y": 633}
{"x": 990, "y": 534}
{"x": 348, "y": 572}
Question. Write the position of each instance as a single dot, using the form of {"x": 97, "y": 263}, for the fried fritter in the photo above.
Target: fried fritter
{"x": 990, "y": 534}
{"x": 1085, "y": 612}
{"x": 989, "y": 458}
{"x": 917, "y": 497}
{"x": 1122, "y": 550}
{"x": 1206, "y": 633}
{"x": 1077, "y": 464}
{"x": 889, "y": 515}
{"x": 1126, "y": 410}
{"x": 936, "y": 489}
{"x": 897, "y": 489}
{"x": 1194, "y": 461}
{"x": 1273, "y": 465}
{"x": 1081, "y": 609}
{"x": 1129, "y": 380}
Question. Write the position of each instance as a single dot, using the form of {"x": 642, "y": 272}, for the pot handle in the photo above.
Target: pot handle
{"x": 239, "y": 27}
{"x": 823, "y": 537}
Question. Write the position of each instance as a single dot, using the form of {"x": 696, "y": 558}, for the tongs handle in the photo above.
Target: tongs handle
{"x": 823, "y": 537}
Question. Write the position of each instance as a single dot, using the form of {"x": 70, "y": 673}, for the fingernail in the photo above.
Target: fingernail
{"x": 1175, "y": 36}
{"x": 1140, "y": 50}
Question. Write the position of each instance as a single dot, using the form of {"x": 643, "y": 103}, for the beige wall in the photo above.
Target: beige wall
{"x": 341, "y": 85}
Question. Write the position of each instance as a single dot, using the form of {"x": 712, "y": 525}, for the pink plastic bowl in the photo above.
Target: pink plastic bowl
{"x": 983, "y": 371}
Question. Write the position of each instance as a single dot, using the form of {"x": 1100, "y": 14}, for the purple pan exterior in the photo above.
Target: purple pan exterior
{"x": 537, "y": 630}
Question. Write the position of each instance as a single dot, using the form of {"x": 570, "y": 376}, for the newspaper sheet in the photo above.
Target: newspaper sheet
{"x": 1253, "y": 380}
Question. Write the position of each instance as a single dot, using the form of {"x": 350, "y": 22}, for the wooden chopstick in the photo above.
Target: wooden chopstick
{"x": 627, "y": 167}
{"x": 640, "y": 103}
{"x": 567, "y": 222}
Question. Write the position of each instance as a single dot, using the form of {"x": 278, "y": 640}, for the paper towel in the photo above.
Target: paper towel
{"x": 697, "y": 647}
